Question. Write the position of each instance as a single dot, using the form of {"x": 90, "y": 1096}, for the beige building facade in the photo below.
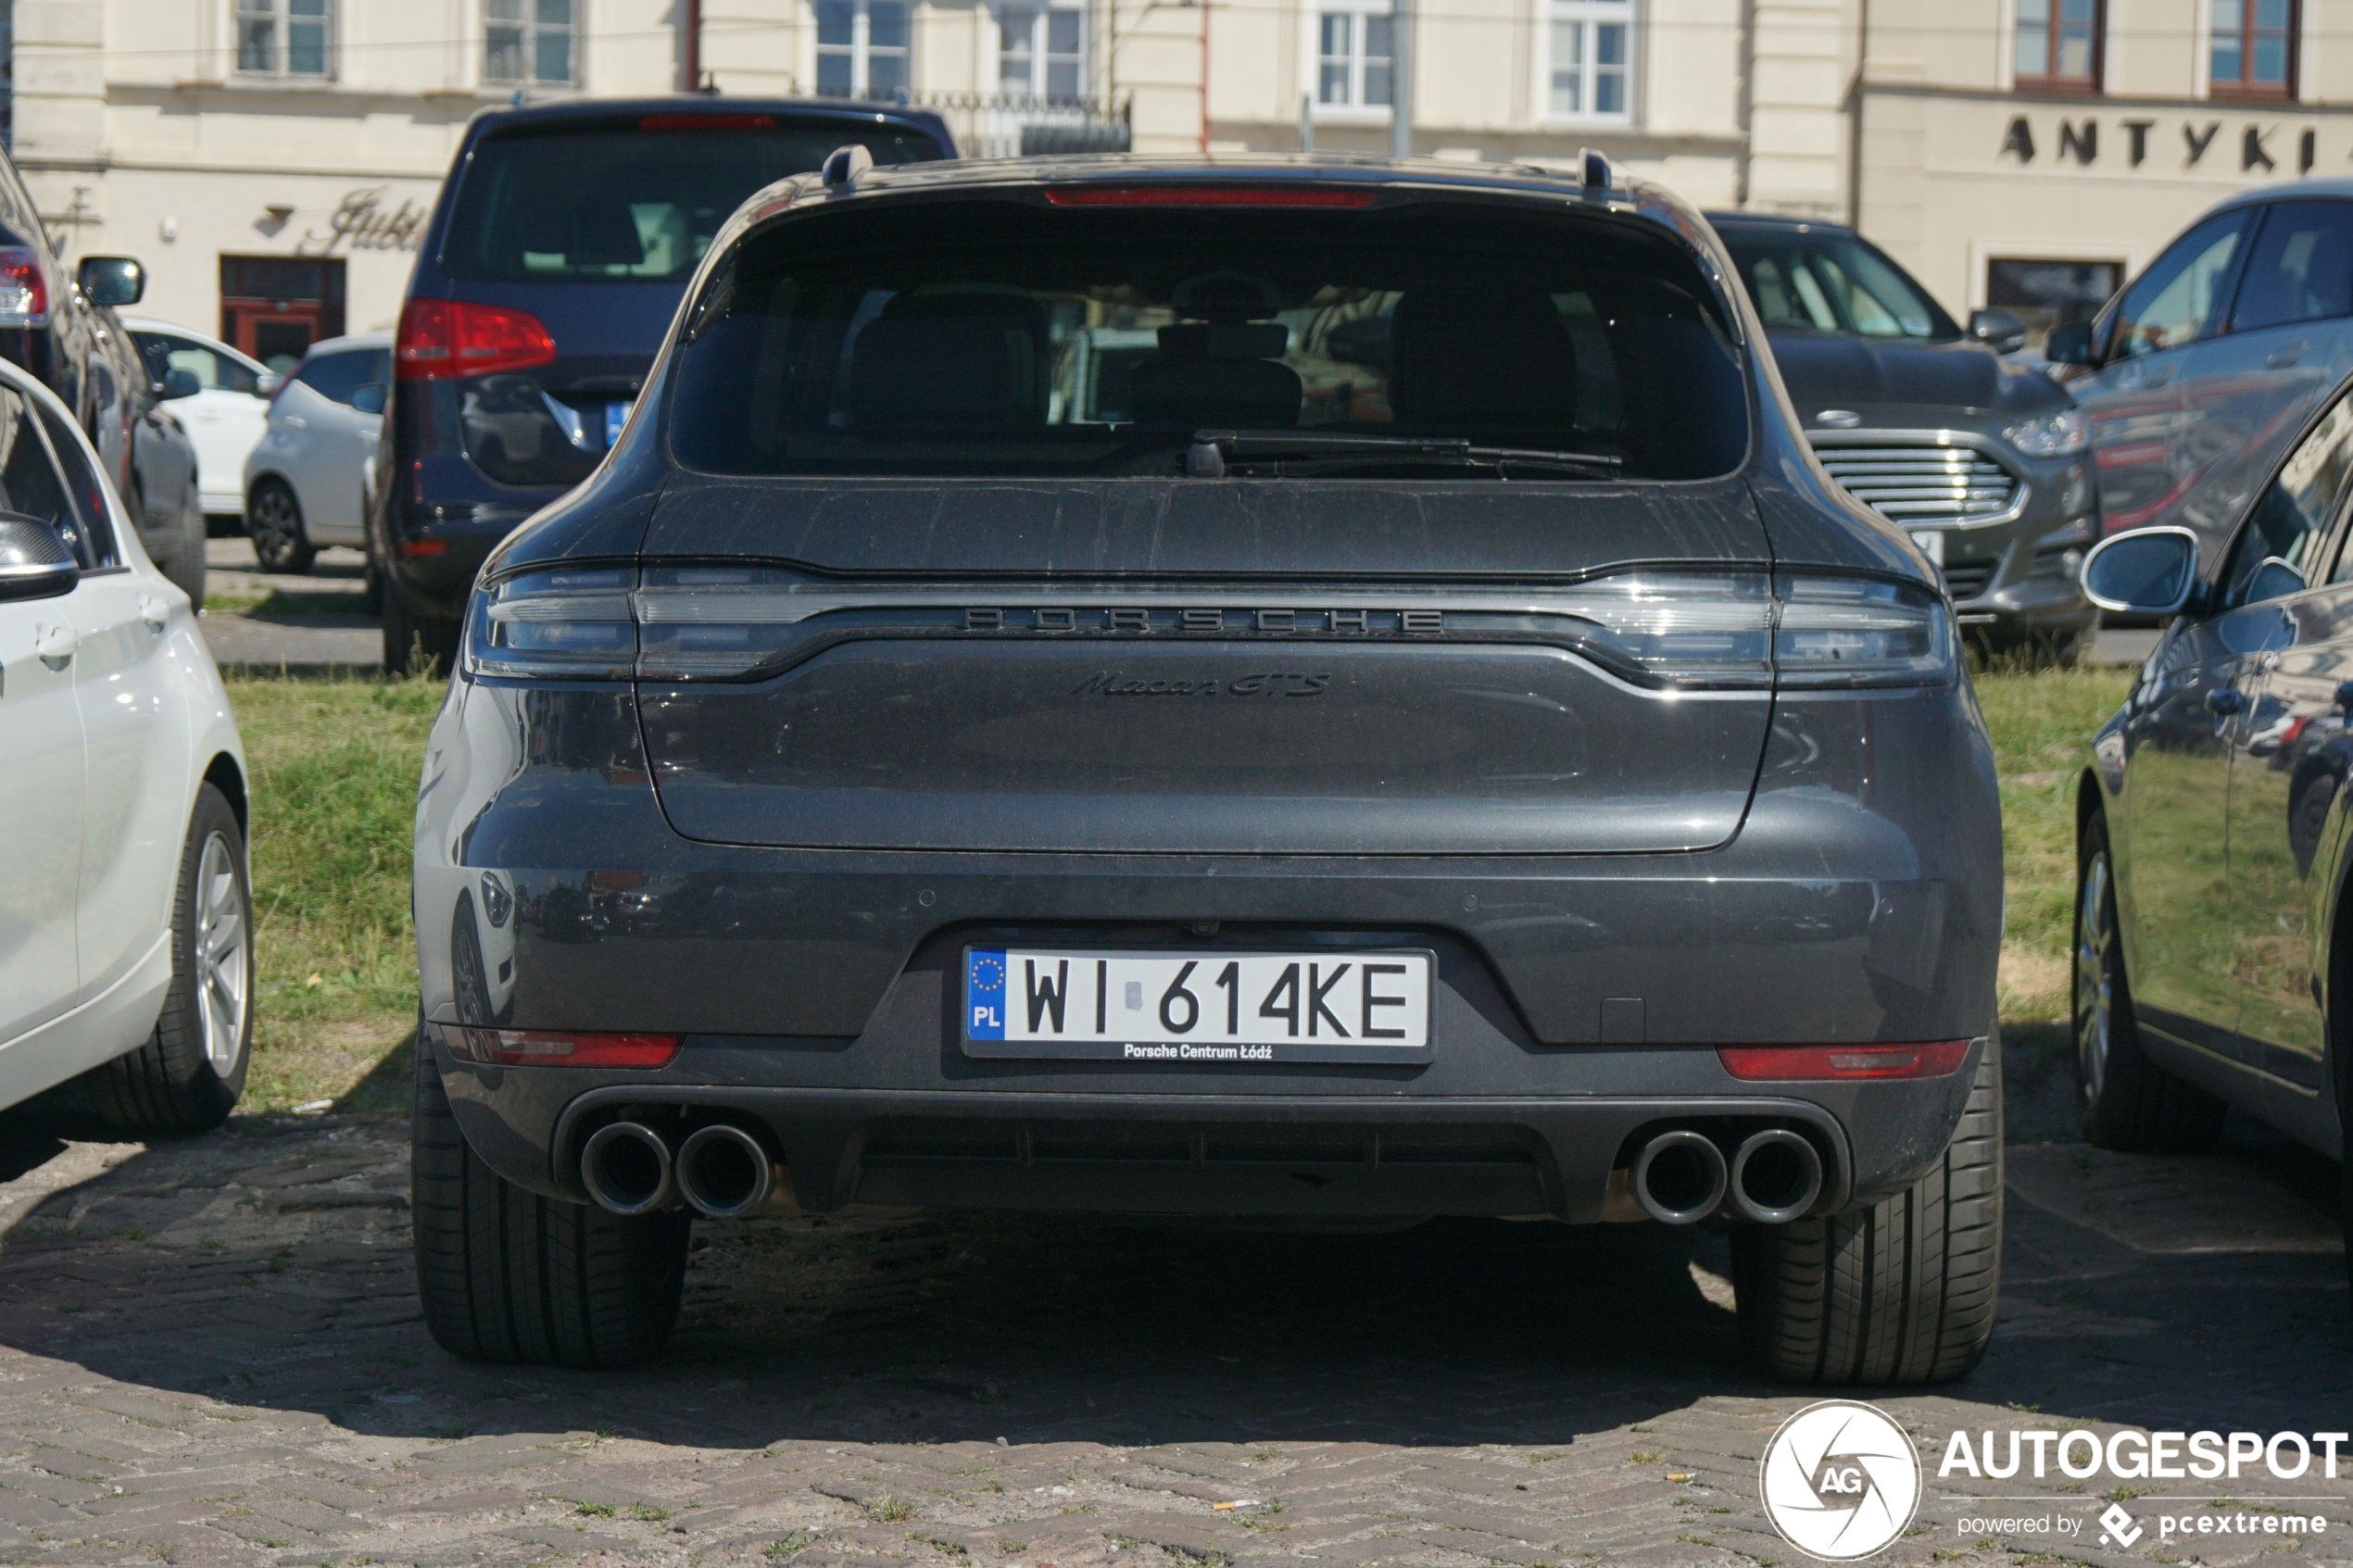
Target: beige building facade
{"x": 272, "y": 160}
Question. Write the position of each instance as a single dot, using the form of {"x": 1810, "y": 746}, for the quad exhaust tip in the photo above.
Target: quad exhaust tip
{"x": 627, "y": 1169}
{"x": 724, "y": 1172}
{"x": 1776, "y": 1175}
{"x": 1679, "y": 1177}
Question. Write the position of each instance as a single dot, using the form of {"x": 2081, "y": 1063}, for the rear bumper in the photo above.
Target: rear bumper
{"x": 1337, "y": 1149}
{"x": 1860, "y": 901}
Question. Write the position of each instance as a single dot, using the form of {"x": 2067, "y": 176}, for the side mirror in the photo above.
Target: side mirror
{"x": 112, "y": 280}
{"x": 34, "y": 563}
{"x": 178, "y": 384}
{"x": 1997, "y": 329}
{"x": 267, "y": 383}
{"x": 2275, "y": 579}
{"x": 2147, "y": 571}
{"x": 369, "y": 399}
{"x": 2070, "y": 345}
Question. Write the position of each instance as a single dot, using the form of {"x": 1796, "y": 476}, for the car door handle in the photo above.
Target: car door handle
{"x": 2281, "y": 358}
{"x": 2224, "y": 699}
{"x": 294, "y": 422}
{"x": 56, "y": 645}
{"x": 153, "y": 612}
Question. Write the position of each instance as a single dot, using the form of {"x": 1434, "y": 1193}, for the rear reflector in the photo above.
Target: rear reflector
{"x": 707, "y": 123}
{"x": 413, "y": 548}
{"x": 1934, "y": 1059}
{"x": 1268, "y": 195}
{"x": 555, "y": 1047}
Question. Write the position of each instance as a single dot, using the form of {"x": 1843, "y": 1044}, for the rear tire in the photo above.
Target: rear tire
{"x": 2127, "y": 1101}
{"x": 506, "y": 1276}
{"x": 1898, "y": 1291}
{"x": 273, "y": 519}
{"x": 192, "y": 1068}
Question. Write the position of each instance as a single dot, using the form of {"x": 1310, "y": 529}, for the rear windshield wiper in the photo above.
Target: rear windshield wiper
{"x": 1216, "y": 452}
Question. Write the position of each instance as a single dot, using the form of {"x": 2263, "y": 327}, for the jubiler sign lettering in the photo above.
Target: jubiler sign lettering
{"x": 362, "y": 222}
{"x": 2252, "y": 146}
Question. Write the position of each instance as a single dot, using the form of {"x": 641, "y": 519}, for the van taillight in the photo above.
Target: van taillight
{"x": 24, "y": 288}
{"x": 452, "y": 337}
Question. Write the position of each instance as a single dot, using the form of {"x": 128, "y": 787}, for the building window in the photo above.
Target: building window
{"x": 1353, "y": 59}
{"x": 1592, "y": 46}
{"x": 531, "y": 42}
{"x": 283, "y": 37}
{"x": 861, "y": 48}
{"x": 1042, "y": 54}
{"x": 2253, "y": 48}
{"x": 2059, "y": 43}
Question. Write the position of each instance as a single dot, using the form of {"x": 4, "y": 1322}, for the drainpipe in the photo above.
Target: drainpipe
{"x": 1855, "y": 116}
{"x": 690, "y": 44}
{"x": 1745, "y": 110}
{"x": 1400, "y": 78}
{"x": 1204, "y": 78}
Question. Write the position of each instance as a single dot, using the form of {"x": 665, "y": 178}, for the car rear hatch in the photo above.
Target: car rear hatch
{"x": 567, "y": 243}
{"x": 1112, "y": 519}
{"x": 1208, "y": 682}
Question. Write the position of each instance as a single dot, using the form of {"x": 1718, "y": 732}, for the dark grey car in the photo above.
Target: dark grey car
{"x": 1982, "y": 459}
{"x": 1316, "y": 690}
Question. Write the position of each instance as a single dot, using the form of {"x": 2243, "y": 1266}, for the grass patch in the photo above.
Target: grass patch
{"x": 2040, "y": 723}
{"x": 335, "y": 766}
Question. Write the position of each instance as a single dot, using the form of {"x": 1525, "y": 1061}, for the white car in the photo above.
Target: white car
{"x": 224, "y": 416}
{"x": 306, "y": 482}
{"x": 126, "y": 945}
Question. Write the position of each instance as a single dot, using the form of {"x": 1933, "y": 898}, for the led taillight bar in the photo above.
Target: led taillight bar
{"x": 1270, "y": 194}
{"x": 1933, "y": 1058}
{"x": 560, "y": 1047}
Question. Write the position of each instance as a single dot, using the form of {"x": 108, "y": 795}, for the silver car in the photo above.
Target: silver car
{"x": 307, "y": 482}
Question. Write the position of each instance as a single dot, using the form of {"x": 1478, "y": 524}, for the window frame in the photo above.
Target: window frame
{"x": 860, "y": 51}
{"x": 280, "y": 14}
{"x": 2243, "y": 88}
{"x": 1589, "y": 17}
{"x": 2051, "y": 79}
{"x": 527, "y": 29}
{"x": 2226, "y": 291}
{"x": 1357, "y": 13}
{"x": 1041, "y": 56}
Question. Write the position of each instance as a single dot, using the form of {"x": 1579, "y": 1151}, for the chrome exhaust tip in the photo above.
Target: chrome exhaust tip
{"x": 626, "y": 1168}
{"x": 724, "y": 1172}
{"x": 1776, "y": 1176}
{"x": 1679, "y": 1178}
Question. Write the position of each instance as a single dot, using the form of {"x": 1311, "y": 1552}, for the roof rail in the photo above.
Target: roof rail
{"x": 1594, "y": 167}
{"x": 843, "y": 165}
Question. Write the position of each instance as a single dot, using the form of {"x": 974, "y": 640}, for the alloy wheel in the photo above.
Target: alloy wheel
{"x": 2094, "y": 976}
{"x": 224, "y": 971}
{"x": 277, "y": 532}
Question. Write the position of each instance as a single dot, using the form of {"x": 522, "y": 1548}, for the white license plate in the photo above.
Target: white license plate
{"x": 1931, "y": 546}
{"x": 1205, "y": 1006}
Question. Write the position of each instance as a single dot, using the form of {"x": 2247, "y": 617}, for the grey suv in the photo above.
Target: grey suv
{"x": 1317, "y": 690}
{"x": 1982, "y": 459}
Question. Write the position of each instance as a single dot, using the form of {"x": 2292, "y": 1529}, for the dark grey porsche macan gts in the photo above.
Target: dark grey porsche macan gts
{"x": 1301, "y": 689}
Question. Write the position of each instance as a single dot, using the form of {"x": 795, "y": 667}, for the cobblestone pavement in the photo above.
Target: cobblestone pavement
{"x": 210, "y": 1353}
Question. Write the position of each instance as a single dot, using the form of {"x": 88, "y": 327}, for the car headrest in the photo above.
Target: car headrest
{"x": 1499, "y": 355}
{"x": 944, "y": 371}
{"x": 1238, "y": 394}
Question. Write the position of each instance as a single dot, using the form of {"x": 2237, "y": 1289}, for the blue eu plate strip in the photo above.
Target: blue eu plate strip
{"x": 985, "y": 994}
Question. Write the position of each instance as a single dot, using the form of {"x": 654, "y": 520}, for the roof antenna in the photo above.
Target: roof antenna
{"x": 1595, "y": 168}
{"x": 843, "y": 165}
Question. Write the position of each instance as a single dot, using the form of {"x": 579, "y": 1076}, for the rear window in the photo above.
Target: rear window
{"x": 337, "y": 376}
{"x": 1012, "y": 337}
{"x": 606, "y": 202}
{"x": 1823, "y": 280}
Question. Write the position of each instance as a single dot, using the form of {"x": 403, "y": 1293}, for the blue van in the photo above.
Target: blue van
{"x": 558, "y": 251}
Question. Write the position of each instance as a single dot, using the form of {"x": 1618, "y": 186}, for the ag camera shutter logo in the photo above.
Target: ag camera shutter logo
{"x": 1840, "y": 1480}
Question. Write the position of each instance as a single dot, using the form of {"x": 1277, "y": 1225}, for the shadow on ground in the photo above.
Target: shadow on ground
{"x": 267, "y": 1265}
